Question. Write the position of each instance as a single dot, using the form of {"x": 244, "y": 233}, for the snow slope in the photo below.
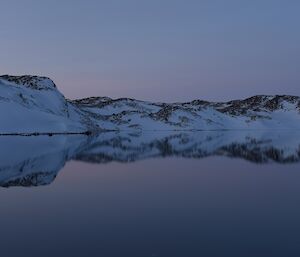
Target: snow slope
{"x": 30, "y": 104}
{"x": 33, "y": 104}
{"x": 258, "y": 112}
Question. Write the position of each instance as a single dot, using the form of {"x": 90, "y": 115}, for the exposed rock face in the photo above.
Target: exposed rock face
{"x": 257, "y": 104}
{"x": 33, "y": 82}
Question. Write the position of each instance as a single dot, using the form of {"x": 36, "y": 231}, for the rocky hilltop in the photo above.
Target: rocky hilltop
{"x": 31, "y": 104}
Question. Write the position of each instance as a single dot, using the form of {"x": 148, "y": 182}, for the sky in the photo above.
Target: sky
{"x": 158, "y": 50}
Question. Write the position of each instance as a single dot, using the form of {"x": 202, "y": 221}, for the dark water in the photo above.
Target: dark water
{"x": 179, "y": 194}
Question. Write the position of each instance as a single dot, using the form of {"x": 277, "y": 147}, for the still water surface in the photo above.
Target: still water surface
{"x": 229, "y": 200}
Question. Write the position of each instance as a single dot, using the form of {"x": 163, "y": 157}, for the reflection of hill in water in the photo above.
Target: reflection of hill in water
{"x": 34, "y": 161}
{"x": 257, "y": 147}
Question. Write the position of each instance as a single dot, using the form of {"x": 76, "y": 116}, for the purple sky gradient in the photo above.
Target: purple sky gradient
{"x": 162, "y": 50}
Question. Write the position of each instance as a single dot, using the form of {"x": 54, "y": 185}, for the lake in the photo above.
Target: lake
{"x": 218, "y": 193}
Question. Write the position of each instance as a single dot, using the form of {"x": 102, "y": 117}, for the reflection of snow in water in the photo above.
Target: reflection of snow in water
{"x": 32, "y": 161}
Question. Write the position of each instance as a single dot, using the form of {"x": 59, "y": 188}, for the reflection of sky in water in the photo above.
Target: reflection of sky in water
{"x": 180, "y": 205}
{"x": 160, "y": 207}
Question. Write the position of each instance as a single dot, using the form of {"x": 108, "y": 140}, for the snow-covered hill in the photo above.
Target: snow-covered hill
{"x": 258, "y": 112}
{"x": 30, "y": 104}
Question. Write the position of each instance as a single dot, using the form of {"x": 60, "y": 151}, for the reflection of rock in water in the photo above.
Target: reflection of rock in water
{"x": 35, "y": 161}
{"x": 257, "y": 154}
{"x": 33, "y": 179}
{"x": 258, "y": 148}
